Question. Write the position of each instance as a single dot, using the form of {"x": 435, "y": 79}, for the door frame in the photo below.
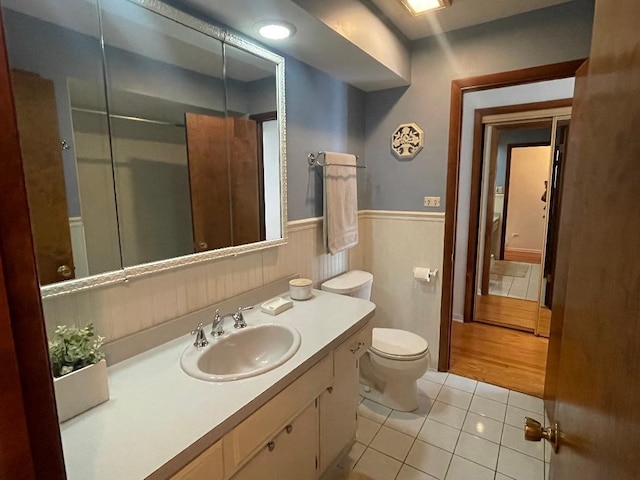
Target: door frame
{"x": 36, "y": 447}
{"x": 458, "y": 88}
{"x": 476, "y": 184}
{"x": 510, "y": 147}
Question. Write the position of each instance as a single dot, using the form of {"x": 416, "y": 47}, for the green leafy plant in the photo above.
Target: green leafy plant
{"x": 73, "y": 348}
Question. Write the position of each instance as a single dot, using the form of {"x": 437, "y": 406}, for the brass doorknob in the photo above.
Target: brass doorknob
{"x": 534, "y": 432}
{"x": 64, "y": 271}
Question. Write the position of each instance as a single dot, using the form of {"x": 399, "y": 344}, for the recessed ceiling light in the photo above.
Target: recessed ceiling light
{"x": 274, "y": 29}
{"x": 420, "y": 7}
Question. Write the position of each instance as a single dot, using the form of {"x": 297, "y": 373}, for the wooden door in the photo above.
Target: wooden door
{"x": 597, "y": 403}
{"x": 28, "y": 400}
{"x": 209, "y": 181}
{"x": 246, "y": 198}
{"x": 37, "y": 116}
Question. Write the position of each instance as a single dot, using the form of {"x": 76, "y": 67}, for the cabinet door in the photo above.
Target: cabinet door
{"x": 264, "y": 466}
{"x": 208, "y": 466}
{"x": 291, "y": 455}
{"x": 338, "y": 406}
{"x": 298, "y": 447}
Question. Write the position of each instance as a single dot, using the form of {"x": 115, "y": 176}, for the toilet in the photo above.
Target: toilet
{"x": 397, "y": 358}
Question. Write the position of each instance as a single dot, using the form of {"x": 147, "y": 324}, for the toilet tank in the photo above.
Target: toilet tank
{"x": 354, "y": 283}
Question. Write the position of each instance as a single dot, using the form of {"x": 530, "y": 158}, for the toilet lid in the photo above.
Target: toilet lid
{"x": 392, "y": 342}
{"x": 347, "y": 283}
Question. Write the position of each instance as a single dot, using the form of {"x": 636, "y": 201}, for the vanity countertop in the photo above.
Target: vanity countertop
{"x": 158, "y": 418}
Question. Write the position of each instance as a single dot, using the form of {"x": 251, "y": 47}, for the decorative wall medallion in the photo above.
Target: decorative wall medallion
{"x": 407, "y": 140}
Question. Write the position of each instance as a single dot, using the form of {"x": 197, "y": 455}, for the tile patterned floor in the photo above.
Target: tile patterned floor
{"x": 525, "y": 288}
{"x": 463, "y": 430}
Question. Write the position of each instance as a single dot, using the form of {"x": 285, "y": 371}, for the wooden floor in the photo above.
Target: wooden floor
{"x": 507, "y": 311}
{"x": 500, "y": 356}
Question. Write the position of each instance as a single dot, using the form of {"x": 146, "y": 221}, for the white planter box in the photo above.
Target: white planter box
{"x": 81, "y": 390}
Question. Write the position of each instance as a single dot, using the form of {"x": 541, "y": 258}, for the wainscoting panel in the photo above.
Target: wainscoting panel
{"x": 124, "y": 309}
{"x": 391, "y": 244}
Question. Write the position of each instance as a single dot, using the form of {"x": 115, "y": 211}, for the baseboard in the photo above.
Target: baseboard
{"x": 522, "y": 255}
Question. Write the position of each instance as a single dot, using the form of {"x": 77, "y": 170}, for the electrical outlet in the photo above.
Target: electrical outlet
{"x": 431, "y": 201}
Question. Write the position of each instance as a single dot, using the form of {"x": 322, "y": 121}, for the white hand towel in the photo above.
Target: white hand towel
{"x": 340, "y": 202}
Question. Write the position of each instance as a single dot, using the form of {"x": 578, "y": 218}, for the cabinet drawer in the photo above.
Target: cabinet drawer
{"x": 207, "y": 466}
{"x": 261, "y": 426}
{"x": 354, "y": 347}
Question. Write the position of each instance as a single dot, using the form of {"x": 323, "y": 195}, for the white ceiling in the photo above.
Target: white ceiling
{"x": 461, "y": 14}
{"x": 323, "y": 26}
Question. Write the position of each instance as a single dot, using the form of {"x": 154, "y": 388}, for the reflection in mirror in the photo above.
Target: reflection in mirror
{"x": 54, "y": 49}
{"x": 158, "y": 71}
{"x": 512, "y": 234}
{"x": 187, "y": 151}
{"x": 180, "y": 151}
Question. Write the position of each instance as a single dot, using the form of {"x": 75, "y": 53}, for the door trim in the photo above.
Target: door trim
{"x": 458, "y": 88}
{"x": 25, "y": 317}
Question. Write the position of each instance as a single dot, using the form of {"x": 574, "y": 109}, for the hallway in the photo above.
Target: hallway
{"x": 500, "y": 356}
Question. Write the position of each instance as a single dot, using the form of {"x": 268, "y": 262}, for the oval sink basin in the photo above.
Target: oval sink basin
{"x": 242, "y": 353}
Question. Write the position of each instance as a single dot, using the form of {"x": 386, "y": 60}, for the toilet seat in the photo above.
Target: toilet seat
{"x": 400, "y": 345}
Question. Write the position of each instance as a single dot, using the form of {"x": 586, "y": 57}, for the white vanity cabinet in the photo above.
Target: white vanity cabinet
{"x": 339, "y": 402}
{"x": 300, "y": 432}
{"x": 291, "y": 454}
{"x": 207, "y": 466}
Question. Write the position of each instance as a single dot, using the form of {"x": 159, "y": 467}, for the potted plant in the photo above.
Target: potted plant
{"x": 79, "y": 370}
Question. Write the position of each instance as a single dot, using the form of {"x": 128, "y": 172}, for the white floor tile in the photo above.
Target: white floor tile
{"x": 447, "y": 414}
{"x": 455, "y": 397}
{"x": 367, "y": 429}
{"x": 440, "y": 435}
{"x": 405, "y": 422}
{"x": 513, "y": 438}
{"x": 492, "y": 392}
{"x": 500, "y": 476}
{"x": 424, "y": 406}
{"x": 463, "y": 469}
{"x": 373, "y": 411}
{"x": 410, "y": 473}
{"x": 461, "y": 383}
{"x": 429, "y": 459}
{"x": 435, "y": 376}
{"x": 546, "y": 471}
{"x": 488, "y": 408}
{"x": 519, "y": 466}
{"x": 392, "y": 443}
{"x": 477, "y": 450}
{"x": 515, "y": 416}
{"x": 526, "y": 402}
{"x": 348, "y": 461}
{"x": 427, "y": 388}
{"x": 377, "y": 465}
{"x": 483, "y": 427}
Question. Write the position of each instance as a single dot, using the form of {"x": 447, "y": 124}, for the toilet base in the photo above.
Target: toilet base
{"x": 407, "y": 401}
{"x": 395, "y": 390}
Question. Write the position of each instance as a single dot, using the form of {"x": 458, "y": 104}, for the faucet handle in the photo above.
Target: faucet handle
{"x": 201, "y": 337}
{"x": 238, "y": 317}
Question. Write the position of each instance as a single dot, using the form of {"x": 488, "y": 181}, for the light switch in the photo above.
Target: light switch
{"x": 431, "y": 201}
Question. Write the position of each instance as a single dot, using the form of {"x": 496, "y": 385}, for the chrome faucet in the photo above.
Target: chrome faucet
{"x": 201, "y": 338}
{"x": 217, "y": 327}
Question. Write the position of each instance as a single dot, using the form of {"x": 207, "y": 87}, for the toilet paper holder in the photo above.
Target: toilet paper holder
{"x": 424, "y": 274}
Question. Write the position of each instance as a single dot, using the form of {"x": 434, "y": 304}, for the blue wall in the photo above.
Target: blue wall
{"x": 542, "y": 37}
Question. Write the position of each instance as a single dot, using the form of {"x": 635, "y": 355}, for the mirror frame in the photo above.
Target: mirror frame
{"x": 128, "y": 273}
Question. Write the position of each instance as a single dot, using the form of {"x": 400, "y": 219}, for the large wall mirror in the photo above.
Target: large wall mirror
{"x": 150, "y": 139}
